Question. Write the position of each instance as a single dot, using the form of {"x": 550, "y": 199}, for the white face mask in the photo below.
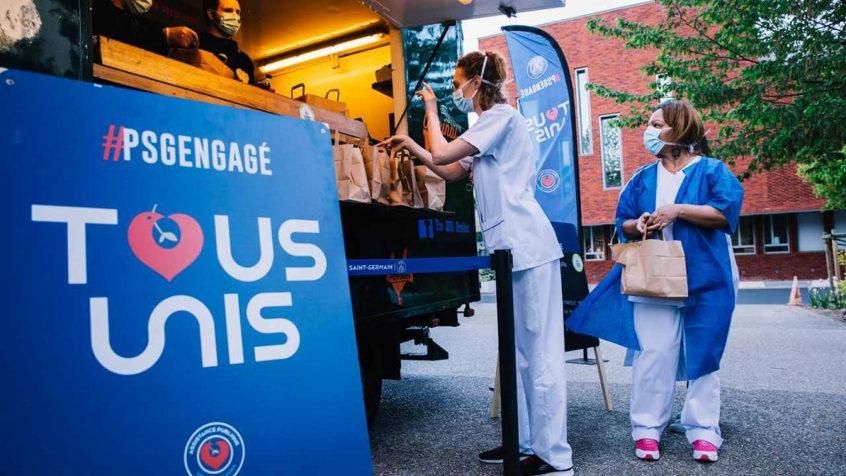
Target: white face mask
{"x": 229, "y": 23}
{"x": 138, "y": 7}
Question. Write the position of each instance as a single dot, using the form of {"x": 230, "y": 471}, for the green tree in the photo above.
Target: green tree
{"x": 770, "y": 73}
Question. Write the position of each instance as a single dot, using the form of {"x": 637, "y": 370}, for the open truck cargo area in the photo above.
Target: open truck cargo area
{"x": 359, "y": 61}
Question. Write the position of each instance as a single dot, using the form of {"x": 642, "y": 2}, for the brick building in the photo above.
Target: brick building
{"x": 780, "y": 233}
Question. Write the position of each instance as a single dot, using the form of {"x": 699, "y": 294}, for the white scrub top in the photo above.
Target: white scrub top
{"x": 668, "y": 187}
{"x": 504, "y": 177}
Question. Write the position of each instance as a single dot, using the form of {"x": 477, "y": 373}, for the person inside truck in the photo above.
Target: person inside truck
{"x": 124, "y": 20}
{"x": 499, "y": 148}
{"x": 223, "y": 20}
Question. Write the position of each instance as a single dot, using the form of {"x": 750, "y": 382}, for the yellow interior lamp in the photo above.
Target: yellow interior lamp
{"x": 322, "y": 52}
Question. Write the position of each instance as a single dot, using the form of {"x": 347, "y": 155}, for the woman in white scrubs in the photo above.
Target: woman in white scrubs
{"x": 499, "y": 148}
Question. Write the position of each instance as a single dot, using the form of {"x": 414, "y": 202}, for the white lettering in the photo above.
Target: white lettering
{"x": 218, "y": 155}
{"x": 235, "y": 158}
{"x": 302, "y": 249}
{"x": 201, "y": 153}
{"x": 264, "y": 160}
{"x": 130, "y": 141}
{"x": 233, "y": 329}
{"x": 273, "y": 326}
{"x": 184, "y": 151}
{"x": 250, "y": 159}
{"x": 101, "y": 345}
{"x": 76, "y": 218}
{"x": 148, "y": 139}
{"x": 168, "y": 149}
{"x": 224, "y": 250}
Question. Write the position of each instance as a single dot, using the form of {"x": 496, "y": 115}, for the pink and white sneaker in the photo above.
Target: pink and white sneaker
{"x": 647, "y": 449}
{"x": 705, "y": 452}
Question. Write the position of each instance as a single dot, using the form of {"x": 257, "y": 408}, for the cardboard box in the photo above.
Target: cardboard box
{"x": 201, "y": 59}
{"x": 319, "y": 101}
{"x": 384, "y": 73}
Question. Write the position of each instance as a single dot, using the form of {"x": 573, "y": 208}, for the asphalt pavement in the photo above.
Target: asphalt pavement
{"x": 783, "y": 403}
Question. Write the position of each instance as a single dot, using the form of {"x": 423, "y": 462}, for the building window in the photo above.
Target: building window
{"x": 810, "y": 231}
{"x": 612, "y": 152}
{"x": 776, "y": 234}
{"x": 585, "y": 132}
{"x": 664, "y": 86}
{"x": 594, "y": 243}
{"x": 743, "y": 239}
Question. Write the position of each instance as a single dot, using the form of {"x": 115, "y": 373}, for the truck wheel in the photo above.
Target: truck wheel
{"x": 371, "y": 382}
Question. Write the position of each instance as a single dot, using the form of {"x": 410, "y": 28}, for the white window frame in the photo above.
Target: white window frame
{"x": 664, "y": 82}
{"x": 590, "y": 231}
{"x": 605, "y": 186}
{"x": 772, "y": 235}
{"x": 740, "y": 239}
{"x": 585, "y": 120}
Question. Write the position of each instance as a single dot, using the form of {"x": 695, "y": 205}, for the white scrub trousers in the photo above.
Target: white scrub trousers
{"x": 542, "y": 375}
{"x": 660, "y": 330}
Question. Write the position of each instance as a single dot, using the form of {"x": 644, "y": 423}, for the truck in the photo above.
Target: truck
{"x": 369, "y": 56}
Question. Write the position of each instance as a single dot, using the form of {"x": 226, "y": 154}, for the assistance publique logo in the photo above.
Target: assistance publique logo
{"x": 215, "y": 449}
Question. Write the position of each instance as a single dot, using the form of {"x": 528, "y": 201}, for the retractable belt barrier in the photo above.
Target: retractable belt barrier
{"x": 500, "y": 262}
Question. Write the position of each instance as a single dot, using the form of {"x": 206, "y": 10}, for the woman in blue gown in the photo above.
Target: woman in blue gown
{"x": 695, "y": 200}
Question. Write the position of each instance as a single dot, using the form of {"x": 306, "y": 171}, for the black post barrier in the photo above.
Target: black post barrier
{"x": 507, "y": 362}
{"x": 500, "y": 263}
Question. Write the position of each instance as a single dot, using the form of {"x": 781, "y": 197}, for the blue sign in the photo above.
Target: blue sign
{"x": 177, "y": 299}
{"x": 545, "y": 99}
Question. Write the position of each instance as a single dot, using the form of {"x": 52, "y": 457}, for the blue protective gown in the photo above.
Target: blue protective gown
{"x": 607, "y": 313}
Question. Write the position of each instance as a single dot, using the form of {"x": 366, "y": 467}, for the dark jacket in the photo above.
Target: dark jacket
{"x": 227, "y": 50}
{"x": 122, "y": 25}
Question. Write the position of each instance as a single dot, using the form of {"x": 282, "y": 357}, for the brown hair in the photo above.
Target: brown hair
{"x": 495, "y": 73}
{"x": 687, "y": 125}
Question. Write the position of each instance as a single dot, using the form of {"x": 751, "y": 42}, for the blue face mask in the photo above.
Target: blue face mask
{"x": 464, "y": 104}
{"x": 652, "y": 142}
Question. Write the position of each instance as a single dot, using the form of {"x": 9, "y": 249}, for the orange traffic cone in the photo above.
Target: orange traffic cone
{"x": 795, "y": 294}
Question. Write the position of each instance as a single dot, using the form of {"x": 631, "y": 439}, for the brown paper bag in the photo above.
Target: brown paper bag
{"x": 410, "y": 193}
{"x": 350, "y": 175}
{"x": 420, "y": 172}
{"x": 377, "y": 165}
{"x": 652, "y": 268}
{"x": 436, "y": 190}
{"x": 395, "y": 195}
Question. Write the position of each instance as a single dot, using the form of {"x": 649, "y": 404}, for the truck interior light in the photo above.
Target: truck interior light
{"x": 323, "y": 52}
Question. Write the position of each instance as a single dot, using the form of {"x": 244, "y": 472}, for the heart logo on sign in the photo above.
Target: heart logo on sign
{"x": 215, "y": 453}
{"x": 168, "y": 262}
{"x": 552, "y": 114}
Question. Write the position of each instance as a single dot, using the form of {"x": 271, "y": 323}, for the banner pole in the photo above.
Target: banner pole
{"x": 507, "y": 361}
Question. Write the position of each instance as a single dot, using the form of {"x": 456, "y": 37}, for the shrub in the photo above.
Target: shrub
{"x": 829, "y": 297}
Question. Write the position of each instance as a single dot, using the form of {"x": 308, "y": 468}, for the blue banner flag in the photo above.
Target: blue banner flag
{"x": 545, "y": 97}
{"x": 546, "y": 101}
{"x": 176, "y": 293}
